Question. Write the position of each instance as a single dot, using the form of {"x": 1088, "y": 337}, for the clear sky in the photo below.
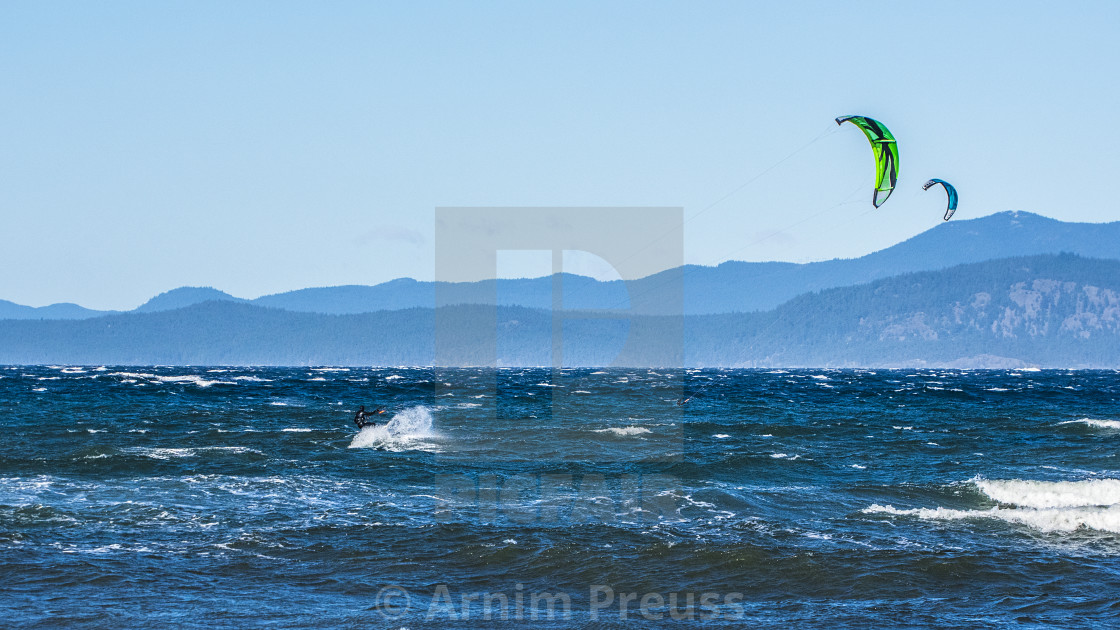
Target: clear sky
{"x": 259, "y": 147}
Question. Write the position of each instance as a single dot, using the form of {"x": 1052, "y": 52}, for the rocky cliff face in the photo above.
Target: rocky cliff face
{"x": 1038, "y": 308}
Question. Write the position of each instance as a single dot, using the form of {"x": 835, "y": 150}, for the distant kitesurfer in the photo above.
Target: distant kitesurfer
{"x": 362, "y": 417}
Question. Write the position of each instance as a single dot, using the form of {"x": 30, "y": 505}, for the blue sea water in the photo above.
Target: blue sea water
{"x": 247, "y": 497}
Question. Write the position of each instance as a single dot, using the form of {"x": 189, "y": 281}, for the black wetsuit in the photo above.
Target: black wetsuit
{"x": 360, "y": 418}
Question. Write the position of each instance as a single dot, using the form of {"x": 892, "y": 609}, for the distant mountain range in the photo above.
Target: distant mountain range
{"x": 1049, "y": 311}
{"x": 731, "y": 287}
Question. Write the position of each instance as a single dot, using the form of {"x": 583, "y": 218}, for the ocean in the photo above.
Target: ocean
{"x": 216, "y": 497}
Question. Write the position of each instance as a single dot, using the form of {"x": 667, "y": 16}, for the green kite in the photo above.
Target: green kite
{"x": 886, "y": 154}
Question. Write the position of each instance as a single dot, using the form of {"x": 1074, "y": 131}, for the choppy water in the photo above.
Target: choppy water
{"x": 214, "y": 497}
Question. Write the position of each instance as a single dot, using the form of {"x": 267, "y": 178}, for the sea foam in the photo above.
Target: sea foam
{"x": 1051, "y": 494}
{"x": 1047, "y": 506}
{"x": 410, "y": 429}
{"x": 1100, "y": 424}
{"x": 624, "y": 431}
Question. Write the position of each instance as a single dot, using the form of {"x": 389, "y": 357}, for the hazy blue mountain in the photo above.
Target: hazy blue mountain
{"x": 182, "y": 297}
{"x": 64, "y": 310}
{"x": 742, "y": 286}
{"x": 1051, "y": 311}
{"x": 582, "y": 292}
{"x": 731, "y": 287}
{"x": 746, "y": 287}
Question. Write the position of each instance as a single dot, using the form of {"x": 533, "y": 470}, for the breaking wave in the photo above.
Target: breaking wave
{"x": 408, "y": 430}
{"x": 1047, "y": 506}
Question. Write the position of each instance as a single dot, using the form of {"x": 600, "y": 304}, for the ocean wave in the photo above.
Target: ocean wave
{"x": 174, "y": 453}
{"x": 192, "y": 379}
{"x": 1045, "y": 520}
{"x": 1051, "y": 494}
{"x": 1100, "y": 424}
{"x": 132, "y": 377}
{"x": 1047, "y": 506}
{"x": 624, "y": 431}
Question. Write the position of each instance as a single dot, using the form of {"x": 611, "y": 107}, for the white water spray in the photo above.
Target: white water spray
{"x": 410, "y": 429}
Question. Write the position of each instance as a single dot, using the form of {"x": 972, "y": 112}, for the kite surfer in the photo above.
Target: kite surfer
{"x": 362, "y": 417}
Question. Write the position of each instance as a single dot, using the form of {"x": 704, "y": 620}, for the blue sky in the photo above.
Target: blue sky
{"x": 259, "y": 147}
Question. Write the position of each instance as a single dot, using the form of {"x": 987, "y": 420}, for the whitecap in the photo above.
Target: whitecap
{"x": 1100, "y": 424}
{"x": 1045, "y": 520}
{"x": 1048, "y": 506}
{"x": 1051, "y": 494}
{"x": 174, "y": 453}
{"x": 193, "y": 379}
{"x": 624, "y": 431}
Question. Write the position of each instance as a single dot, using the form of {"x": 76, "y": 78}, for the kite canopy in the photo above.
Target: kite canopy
{"x": 950, "y": 191}
{"x": 886, "y": 154}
